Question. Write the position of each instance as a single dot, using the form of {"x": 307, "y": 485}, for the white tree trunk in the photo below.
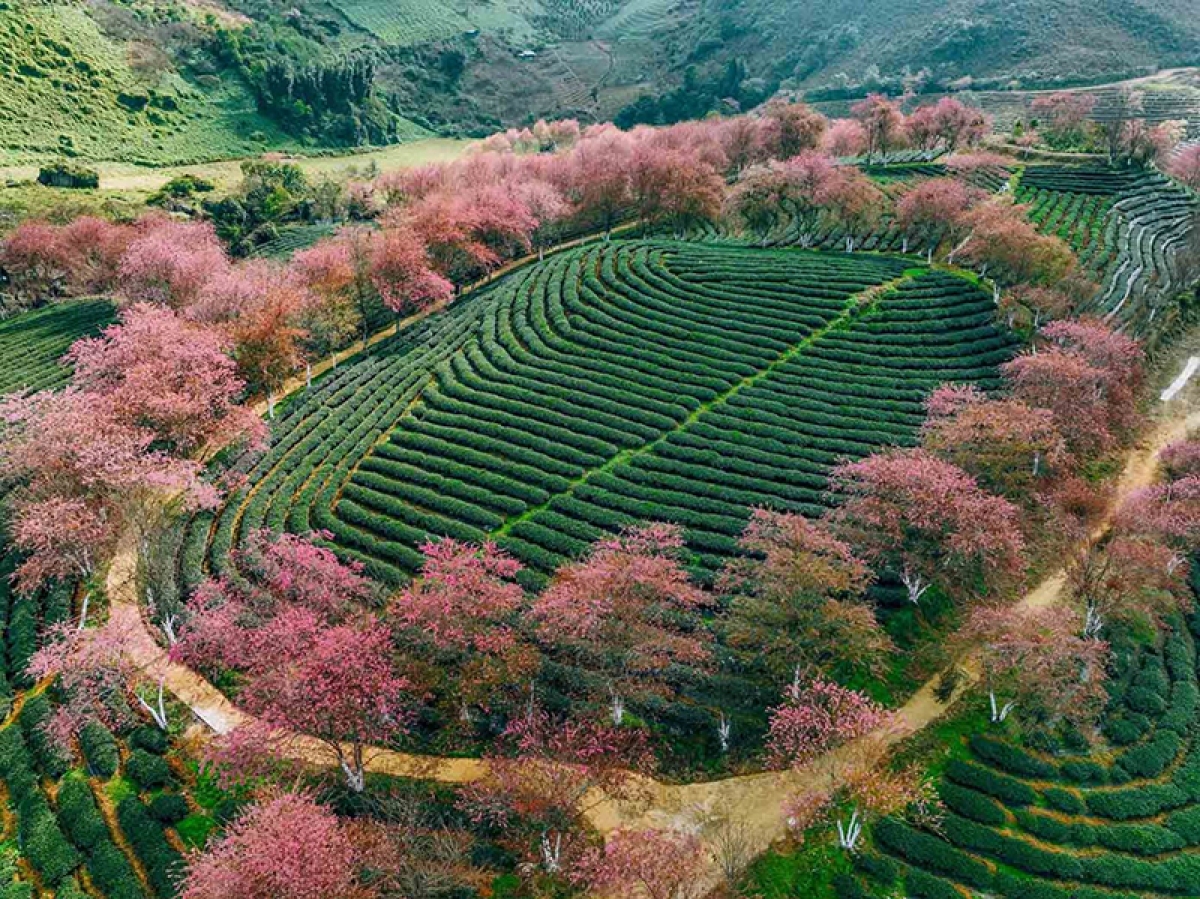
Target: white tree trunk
{"x": 552, "y": 853}
{"x": 850, "y": 831}
{"x": 307, "y": 375}
{"x": 915, "y": 584}
{"x": 271, "y": 406}
{"x": 999, "y": 712}
{"x": 83, "y": 609}
{"x": 158, "y": 711}
{"x": 724, "y": 729}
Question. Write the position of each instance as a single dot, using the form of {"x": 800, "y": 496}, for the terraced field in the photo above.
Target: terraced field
{"x": 612, "y": 384}
{"x": 1123, "y": 225}
{"x": 32, "y": 343}
{"x": 1059, "y": 822}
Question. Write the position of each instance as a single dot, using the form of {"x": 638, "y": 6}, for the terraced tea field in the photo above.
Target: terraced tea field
{"x": 612, "y": 384}
{"x": 1124, "y": 226}
{"x": 32, "y": 343}
{"x": 1060, "y": 822}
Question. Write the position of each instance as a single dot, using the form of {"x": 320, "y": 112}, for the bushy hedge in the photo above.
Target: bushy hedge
{"x": 1007, "y": 757}
{"x": 148, "y": 771}
{"x": 1007, "y": 789}
{"x": 162, "y": 862}
{"x": 99, "y": 749}
{"x": 931, "y": 852}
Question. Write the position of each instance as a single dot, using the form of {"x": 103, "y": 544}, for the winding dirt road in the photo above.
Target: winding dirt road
{"x": 752, "y": 802}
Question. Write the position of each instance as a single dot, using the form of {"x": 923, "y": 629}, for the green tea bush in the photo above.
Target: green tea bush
{"x": 99, "y": 749}
{"x": 148, "y": 771}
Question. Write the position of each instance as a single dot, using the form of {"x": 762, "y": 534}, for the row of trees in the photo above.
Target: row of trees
{"x": 1070, "y": 120}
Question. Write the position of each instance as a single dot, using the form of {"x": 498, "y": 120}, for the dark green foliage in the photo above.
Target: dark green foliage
{"x": 1064, "y": 801}
{"x": 1007, "y": 789}
{"x": 151, "y": 739}
{"x": 99, "y": 749}
{"x": 1013, "y": 759}
{"x": 970, "y": 804}
{"x": 169, "y": 808}
{"x": 930, "y": 852}
{"x": 50, "y": 758}
{"x": 163, "y": 863}
{"x": 79, "y": 814}
{"x": 68, "y": 174}
{"x": 148, "y": 771}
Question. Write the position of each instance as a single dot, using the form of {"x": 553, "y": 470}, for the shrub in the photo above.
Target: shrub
{"x": 1186, "y": 823}
{"x": 1064, "y": 801}
{"x": 163, "y": 864}
{"x": 1146, "y": 701}
{"x": 1085, "y": 772}
{"x": 148, "y": 771}
{"x": 47, "y": 755}
{"x": 67, "y": 174}
{"x": 926, "y": 886}
{"x": 151, "y": 739}
{"x": 99, "y": 750}
{"x": 1007, "y": 789}
{"x": 971, "y": 804}
{"x": 43, "y": 842}
{"x": 1123, "y": 729}
{"x": 1010, "y": 758}
{"x": 169, "y": 808}
{"x": 931, "y": 852}
{"x": 1152, "y": 758}
{"x": 79, "y": 814}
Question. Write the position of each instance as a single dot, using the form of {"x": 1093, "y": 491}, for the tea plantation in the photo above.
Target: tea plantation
{"x": 1036, "y": 819}
{"x": 611, "y": 384}
{"x": 33, "y": 343}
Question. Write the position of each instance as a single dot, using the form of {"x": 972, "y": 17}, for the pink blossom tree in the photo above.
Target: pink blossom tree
{"x": 1181, "y": 459}
{"x": 928, "y": 521}
{"x": 97, "y": 667}
{"x": 1185, "y": 166}
{"x": 464, "y": 605}
{"x": 818, "y": 716}
{"x": 674, "y": 187}
{"x": 948, "y": 124}
{"x": 547, "y": 773}
{"x": 284, "y": 846}
{"x": 1042, "y": 659}
{"x": 175, "y": 378}
{"x": 169, "y": 262}
{"x": 799, "y": 600}
{"x": 867, "y": 790}
{"x": 1129, "y": 579}
{"x": 1010, "y": 448}
{"x": 882, "y": 121}
{"x": 402, "y": 272}
{"x": 795, "y": 128}
{"x": 32, "y": 263}
{"x": 1030, "y": 305}
{"x": 329, "y": 687}
{"x": 630, "y": 609}
{"x": 934, "y": 210}
{"x": 844, "y": 138}
{"x": 599, "y": 176}
{"x": 1000, "y": 240}
{"x": 758, "y": 202}
{"x": 1063, "y": 116}
{"x": 78, "y": 474}
{"x": 657, "y": 864}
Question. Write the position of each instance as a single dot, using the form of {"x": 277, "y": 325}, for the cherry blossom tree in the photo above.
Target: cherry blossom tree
{"x": 882, "y": 121}
{"x": 867, "y": 790}
{"x": 1009, "y": 448}
{"x": 1063, "y": 116}
{"x": 402, "y": 273}
{"x": 631, "y": 610}
{"x": 468, "y": 232}
{"x": 818, "y": 716}
{"x": 31, "y": 262}
{"x": 852, "y": 203}
{"x": 548, "y": 206}
{"x": 1127, "y": 579}
{"x": 77, "y": 474}
{"x": 1181, "y": 459}
{"x": 1168, "y": 511}
{"x": 758, "y": 202}
{"x": 97, "y": 667}
{"x": 1088, "y": 377}
{"x": 284, "y": 846}
{"x": 175, "y": 378}
{"x": 169, "y": 262}
{"x": 1030, "y": 305}
{"x": 1042, "y": 659}
{"x": 799, "y": 600}
{"x": 928, "y": 521}
{"x": 267, "y": 337}
{"x": 338, "y": 272}
{"x": 674, "y": 187}
{"x": 333, "y": 685}
{"x": 547, "y": 773}
{"x": 657, "y": 864}
{"x": 948, "y": 124}
{"x": 845, "y": 138}
{"x": 744, "y": 141}
{"x": 599, "y": 176}
{"x": 464, "y": 605}
{"x": 935, "y": 209}
{"x": 1185, "y": 166}
{"x": 794, "y": 128}
{"x": 1000, "y": 240}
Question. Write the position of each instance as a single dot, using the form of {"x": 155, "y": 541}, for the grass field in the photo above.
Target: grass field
{"x": 32, "y": 343}
{"x": 612, "y": 384}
